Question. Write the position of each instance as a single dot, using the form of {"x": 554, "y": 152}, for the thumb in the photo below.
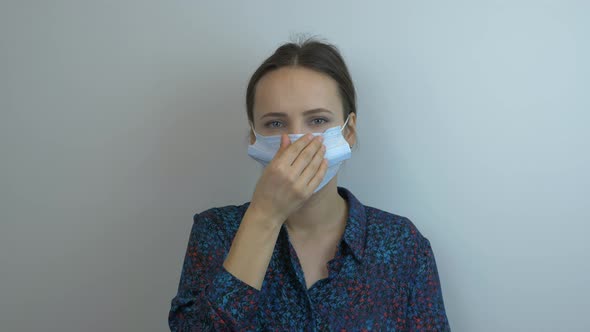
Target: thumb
{"x": 285, "y": 141}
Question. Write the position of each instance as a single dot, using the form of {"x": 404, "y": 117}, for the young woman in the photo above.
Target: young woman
{"x": 305, "y": 254}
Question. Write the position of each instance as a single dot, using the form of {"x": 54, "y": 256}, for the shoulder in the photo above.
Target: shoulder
{"x": 396, "y": 227}
{"x": 223, "y": 221}
{"x": 395, "y": 236}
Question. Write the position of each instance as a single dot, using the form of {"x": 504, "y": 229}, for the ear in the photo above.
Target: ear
{"x": 349, "y": 131}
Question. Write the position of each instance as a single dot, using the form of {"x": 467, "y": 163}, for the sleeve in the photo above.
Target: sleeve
{"x": 426, "y": 309}
{"x": 209, "y": 298}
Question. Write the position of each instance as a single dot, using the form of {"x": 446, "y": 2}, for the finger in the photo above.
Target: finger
{"x": 289, "y": 154}
{"x": 306, "y": 155}
{"x": 285, "y": 142}
{"x": 312, "y": 168}
{"x": 319, "y": 175}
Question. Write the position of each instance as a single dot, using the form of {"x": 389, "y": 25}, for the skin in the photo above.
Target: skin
{"x": 317, "y": 227}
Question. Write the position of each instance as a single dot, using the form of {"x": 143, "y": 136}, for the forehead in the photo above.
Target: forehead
{"x": 295, "y": 89}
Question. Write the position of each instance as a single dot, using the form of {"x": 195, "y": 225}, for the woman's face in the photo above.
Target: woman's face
{"x": 297, "y": 100}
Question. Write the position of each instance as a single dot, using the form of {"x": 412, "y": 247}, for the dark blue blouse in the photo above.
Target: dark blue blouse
{"x": 383, "y": 277}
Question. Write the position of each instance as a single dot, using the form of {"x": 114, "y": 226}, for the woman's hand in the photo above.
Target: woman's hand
{"x": 286, "y": 183}
{"x": 290, "y": 178}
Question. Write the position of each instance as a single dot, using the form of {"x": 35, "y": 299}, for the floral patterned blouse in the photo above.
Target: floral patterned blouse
{"x": 383, "y": 278}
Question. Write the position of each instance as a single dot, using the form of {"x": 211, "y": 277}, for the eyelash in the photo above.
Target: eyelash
{"x": 267, "y": 125}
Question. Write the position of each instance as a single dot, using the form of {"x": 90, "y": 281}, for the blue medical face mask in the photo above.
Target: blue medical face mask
{"x": 337, "y": 149}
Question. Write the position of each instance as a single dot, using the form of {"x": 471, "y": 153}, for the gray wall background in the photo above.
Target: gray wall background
{"x": 119, "y": 120}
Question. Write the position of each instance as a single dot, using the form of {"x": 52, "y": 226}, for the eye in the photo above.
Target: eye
{"x": 268, "y": 124}
{"x": 323, "y": 119}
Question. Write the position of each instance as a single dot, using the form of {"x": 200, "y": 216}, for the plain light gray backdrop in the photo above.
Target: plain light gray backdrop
{"x": 122, "y": 119}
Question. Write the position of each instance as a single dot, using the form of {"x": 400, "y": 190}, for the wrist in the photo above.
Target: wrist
{"x": 261, "y": 218}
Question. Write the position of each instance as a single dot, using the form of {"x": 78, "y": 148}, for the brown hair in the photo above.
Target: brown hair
{"x": 313, "y": 54}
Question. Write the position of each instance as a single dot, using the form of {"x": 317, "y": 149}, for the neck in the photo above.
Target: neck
{"x": 324, "y": 211}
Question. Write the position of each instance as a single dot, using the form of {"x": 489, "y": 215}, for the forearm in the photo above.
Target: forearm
{"x": 252, "y": 247}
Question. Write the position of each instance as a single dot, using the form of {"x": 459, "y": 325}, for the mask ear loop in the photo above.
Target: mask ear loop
{"x": 255, "y": 133}
{"x": 252, "y": 127}
{"x": 345, "y": 122}
{"x": 344, "y": 125}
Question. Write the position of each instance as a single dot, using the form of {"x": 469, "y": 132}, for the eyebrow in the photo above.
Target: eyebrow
{"x": 312, "y": 111}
